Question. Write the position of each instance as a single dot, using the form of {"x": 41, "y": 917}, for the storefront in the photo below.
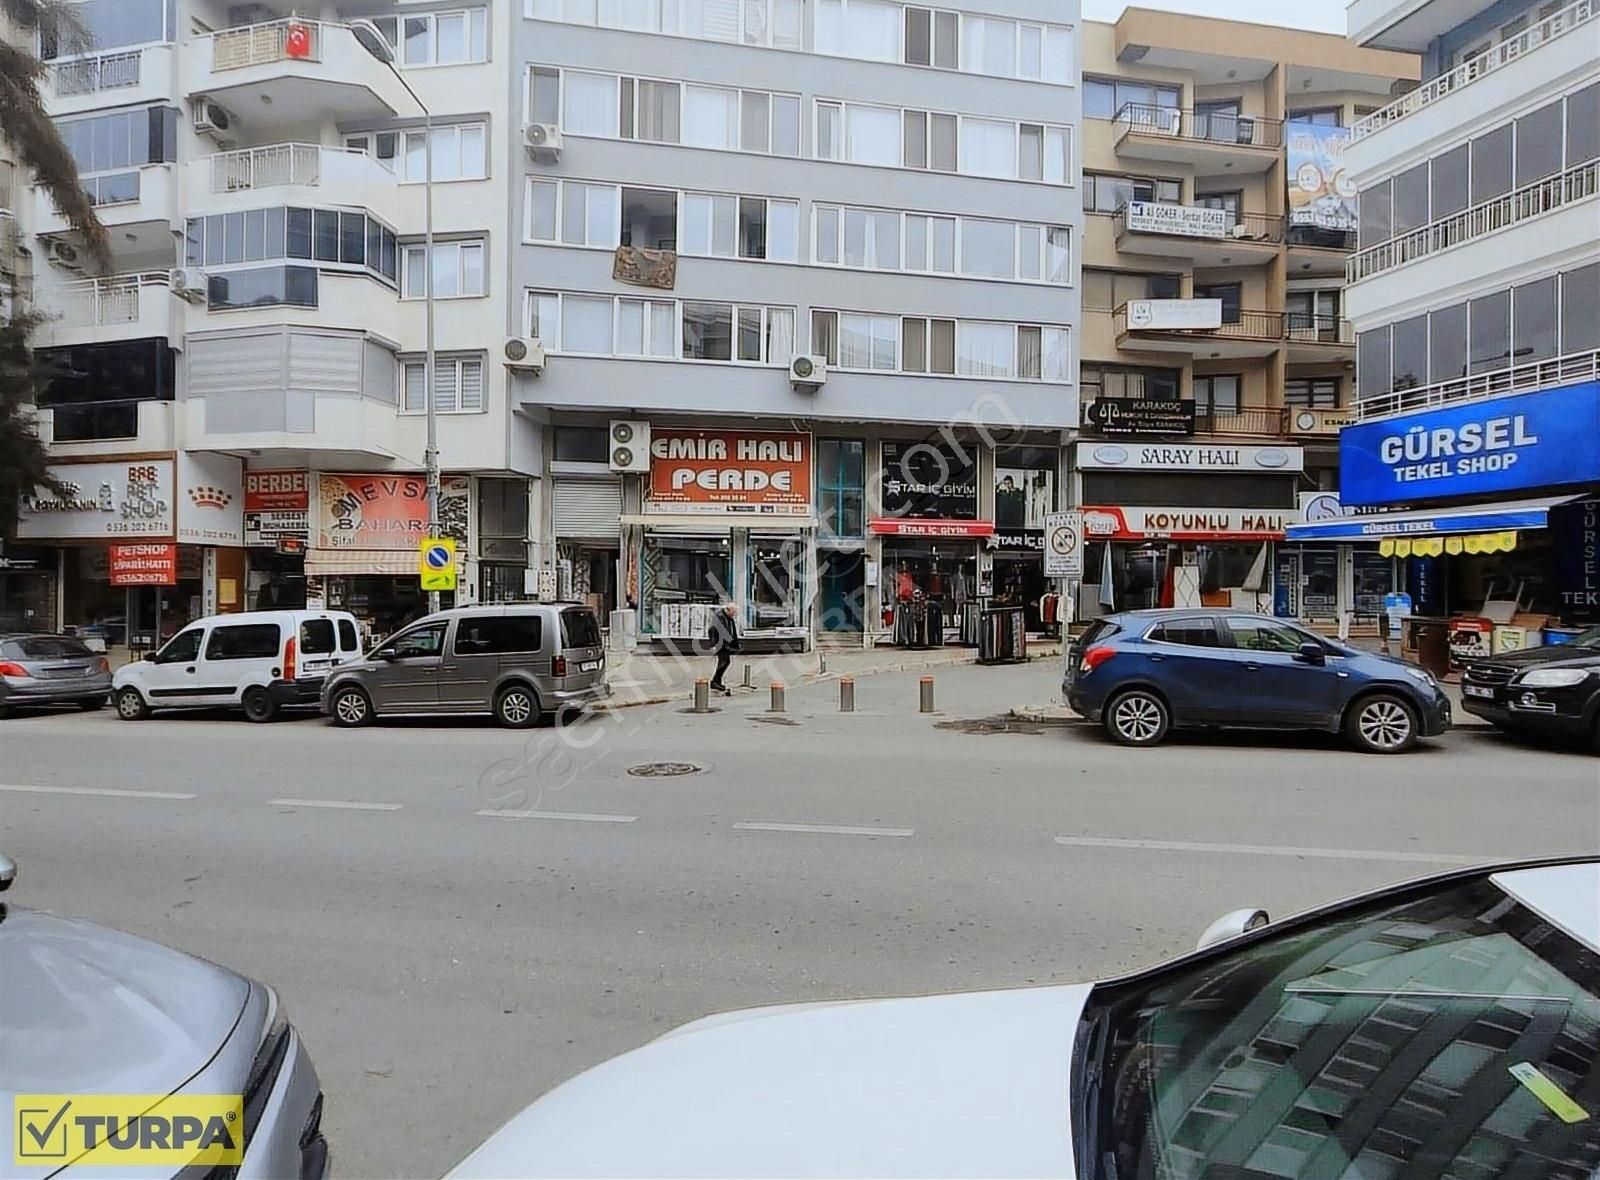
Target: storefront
{"x": 277, "y": 524}
{"x": 1024, "y": 494}
{"x": 586, "y": 516}
{"x": 29, "y": 588}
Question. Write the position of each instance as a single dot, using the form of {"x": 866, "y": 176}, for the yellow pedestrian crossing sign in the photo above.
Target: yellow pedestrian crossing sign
{"x": 436, "y": 563}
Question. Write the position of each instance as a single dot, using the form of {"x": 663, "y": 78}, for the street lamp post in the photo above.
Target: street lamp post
{"x": 371, "y": 38}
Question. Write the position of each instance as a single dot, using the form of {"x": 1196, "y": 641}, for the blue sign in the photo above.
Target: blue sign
{"x": 1396, "y": 606}
{"x": 1575, "y": 544}
{"x": 1506, "y": 444}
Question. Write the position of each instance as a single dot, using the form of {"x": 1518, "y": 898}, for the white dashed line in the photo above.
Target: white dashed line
{"x": 824, "y": 829}
{"x": 1270, "y": 850}
{"x": 99, "y": 792}
{"x": 580, "y": 816}
{"x": 334, "y": 804}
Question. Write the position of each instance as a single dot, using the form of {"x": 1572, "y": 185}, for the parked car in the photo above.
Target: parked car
{"x": 1143, "y": 673}
{"x": 51, "y": 670}
{"x": 1443, "y": 1027}
{"x": 258, "y": 661}
{"x": 85, "y": 1010}
{"x": 517, "y": 662}
{"x": 1551, "y": 691}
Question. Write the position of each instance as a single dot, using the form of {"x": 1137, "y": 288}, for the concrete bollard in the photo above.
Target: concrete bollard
{"x": 847, "y": 695}
{"x": 925, "y": 703}
{"x": 777, "y": 697}
{"x": 702, "y": 696}
{"x": 748, "y": 683}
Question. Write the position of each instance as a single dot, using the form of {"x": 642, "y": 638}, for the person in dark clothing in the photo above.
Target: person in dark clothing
{"x": 723, "y": 639}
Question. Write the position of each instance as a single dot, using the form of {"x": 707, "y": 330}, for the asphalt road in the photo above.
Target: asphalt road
{"x": 459, "y": 917}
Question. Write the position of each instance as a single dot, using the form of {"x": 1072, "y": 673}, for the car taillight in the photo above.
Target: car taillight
{"x": 1094, "y": 657}
{"x": 102, "y": 665}
{"x": 558, "y": 666}
{"x": 9, "y": 669}
{"x": 288, "y": 659}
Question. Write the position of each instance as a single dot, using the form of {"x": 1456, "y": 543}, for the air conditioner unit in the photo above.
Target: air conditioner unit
{"x": 523, "y": 352}
{"x": 63, "y": 254}
{"x": 807, "y": 374}
{"x": 210, "y": 119}
{"x": 1243, "y": 232}
{"x": 543, "y": 141}
{"x": 630, "y": 446}
{"x": 188, "y": 283}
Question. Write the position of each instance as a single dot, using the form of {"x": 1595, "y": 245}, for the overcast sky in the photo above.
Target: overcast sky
{"x": 1325, "y": 16}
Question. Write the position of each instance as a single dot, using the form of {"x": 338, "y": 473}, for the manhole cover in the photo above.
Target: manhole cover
{"x": 664, "y": 769}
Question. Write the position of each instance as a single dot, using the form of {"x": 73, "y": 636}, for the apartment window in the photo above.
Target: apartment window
{"x": 267, "y": 286}
{"x": 710, "y": 117}
{"x": 1125, "y": 381}
{"x": 589, "y": 214}
{"x": 708, "y": 331}
{"x": 649, "y": 218}
{"x": 1217, "y": 394}
{"x": 544, "y": 317}
{"x": 457, "y": 270}
{"x": 1580, "y": 309}
{"x": 988, "y": 248}
{"x": 1320, "y": 117}
{"x": 985, "y": 349}
{"x": 775, "y": 23}
{"x": 868, "y": 341}
{"x": 725, "y": 332}
{"x": 458, "y": 154}
{"x": 988, "y": 147}
{"x": 989, "y": 45}
{"x": 1408, "y": 363}
{"x": 586, "y": 324}
{"x": 841, "y": 485}
{"x": 1043, "y": 153}
{"x": 1104, "y": 97}
{"x": 858, "y": 28}
{"x": 1106, "y": 193}
{"x": 113, "y": 24}
{"x": 1491, "y": 164}
{"x": 264, "y": 235}
{"x": 1318, "y": 393}
{"x": 1533, "y": 318}
{"x": 117, "y": 145}
{"x": 589, "y": 104}
{"x": 1447, "y": 182}
{"x": 1410, "y": 200}
{"x": 1312, "y": 310}
{"x": 930, "y": 243}
{"x": 382, "y": 146}
{"x": 1042, "y": 353}
{"x": 1107, "y": 290}
{"x": 1489, "y": 332}
{"x": 927, "y": 345}
{"x": 1447, "y": 343}
{"x": 539, "y": 211}
{"x": 647, "y": 327}
{"x": 1583, "y": 125}
{"x": 445, "y": 38}
{"x": 1372, "y": 362}
{"x": 859, "y": 134}
{"x": 1228, "y": 293}
{"x": 1374, "y": 217}
{"x": 583, "y": 444}
{"x": 932, "y": 38}
{"x": 544, "y": 96}
{"x": 872, "y": 239}
{"x": 721, "y": 225}
{"x": 1539, "y": 143}
{"x": 458, "y": 386}
{"x": 929, "y": 141}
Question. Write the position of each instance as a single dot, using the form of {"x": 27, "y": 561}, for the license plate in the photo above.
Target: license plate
{"x": 589, "y": 665}
{"x": 1472, "y": 690}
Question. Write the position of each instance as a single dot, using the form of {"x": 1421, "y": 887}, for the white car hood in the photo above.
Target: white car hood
{"x": 972, "y": 1084}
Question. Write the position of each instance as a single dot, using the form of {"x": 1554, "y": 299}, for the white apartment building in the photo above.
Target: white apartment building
{"x": 244, "y": 390}
{"x": 1475, "y": 296}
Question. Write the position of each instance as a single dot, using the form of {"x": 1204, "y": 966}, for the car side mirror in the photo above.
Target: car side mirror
{"x": 1312, "y": 653}
{"x": 382, "y": 654}
{"x": 1232, "y": 925}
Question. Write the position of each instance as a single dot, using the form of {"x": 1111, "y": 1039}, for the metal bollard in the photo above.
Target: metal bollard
{"x": 748, "y": 683}
{"x": 926, "y": 687}
{"x": 822, "y": 663}
{"x": 702, "y": 696}
{"x": 777, "y": 697}
{"x": 847, "y": 695}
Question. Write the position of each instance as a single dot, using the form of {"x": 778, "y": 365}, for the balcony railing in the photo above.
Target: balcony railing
{"x": 1557, "y": 24}
{"x": 95, "y": 303}
{"x": 1198, "y": 222}
{"x": 1524, "y": 378}
{"x": 1531, "y": 200}
{"x": 88, "y": 75}
{"x": 263, "y": 44}
{"x": 1199, "y": 126}
{"x": 1318, "y": 237}
{"x": 1251, "y": 421}
{"x": 271, "y": 166}
{"x": 1237, "y": 324}
{"x": 1318, "y": 329}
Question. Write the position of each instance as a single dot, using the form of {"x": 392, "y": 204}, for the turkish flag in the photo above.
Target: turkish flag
{"x": 297, "y": 41}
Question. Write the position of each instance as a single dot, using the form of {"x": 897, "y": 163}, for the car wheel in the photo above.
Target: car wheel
{"x": 516, "y": 707}
{"x": 131, "y": 705}
{"x": 90, "y": 704}
{"x": 258, "y": 704}
{"x": 350, "y": 707}
{"x": 1382, "y": 724}
{"x": 1137, "y": 718}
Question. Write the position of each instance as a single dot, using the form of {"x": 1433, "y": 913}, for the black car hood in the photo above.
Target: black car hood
{"x": 1555, "y": 653}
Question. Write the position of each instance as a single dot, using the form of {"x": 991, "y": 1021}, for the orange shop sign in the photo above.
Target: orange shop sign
{"x": 142, "y": 565}
{"x": 371, "y": 511}
{"x": 767, "y": 471}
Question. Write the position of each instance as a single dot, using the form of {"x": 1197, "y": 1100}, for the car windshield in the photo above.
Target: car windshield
{"x": 1452, "y": 1036}
{"x": 45, "y": 647}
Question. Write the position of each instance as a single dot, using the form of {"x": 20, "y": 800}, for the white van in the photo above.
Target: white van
{"x": 258, "y": 661}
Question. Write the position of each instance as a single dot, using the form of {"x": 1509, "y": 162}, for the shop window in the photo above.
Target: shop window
{"x": 252, "y": 641}
{"x": 841, "y": 485}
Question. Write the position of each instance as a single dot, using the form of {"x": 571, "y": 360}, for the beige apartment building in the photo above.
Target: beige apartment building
{"x": 1216, "y": 363}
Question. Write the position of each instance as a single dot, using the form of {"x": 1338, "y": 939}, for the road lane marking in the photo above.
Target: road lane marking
{"x": 335, "y": 804}
{"x": 823, "y": 829}
{"x": 1271, "y": 850}
{"x": 99, "y": 792}
{"x": 587, "y": 817}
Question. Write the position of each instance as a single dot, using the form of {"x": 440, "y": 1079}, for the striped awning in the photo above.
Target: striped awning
{"x": 323, "y": 563}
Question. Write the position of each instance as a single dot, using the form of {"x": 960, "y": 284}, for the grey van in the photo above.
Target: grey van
{"x": 517, "y": 662}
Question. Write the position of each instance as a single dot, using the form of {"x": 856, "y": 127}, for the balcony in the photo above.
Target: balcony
{"x": 1243, "y": 422}
{"x": 308, "y": 71}
{"x": 123, "y": 78}
{"x": 1528, "y": 377}
{"x": 292, "y": 174}
{"x": 141, "y": 202}
{"x": 1314, "y": 338}
{"x": 117, "y": 307}
{"x": 294, "y": 424}
{"x": 1210, "y": 142}
{"x": 85, "y": 429}
{"x": 1206, "y": 236}
{"x": 1317, "y": 421}
{"x": 1154, "y": 325}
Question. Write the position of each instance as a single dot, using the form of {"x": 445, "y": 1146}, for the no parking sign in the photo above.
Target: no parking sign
{"x": 436, "y": 563}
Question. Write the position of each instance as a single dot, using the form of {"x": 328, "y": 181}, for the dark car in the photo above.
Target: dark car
{"x": 1551, "y": 691}
{"x": 51, "y": 670}
{"x": 1143, "y": 673}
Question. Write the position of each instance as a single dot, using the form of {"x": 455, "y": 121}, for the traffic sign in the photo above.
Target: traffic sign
{"x": 436, "y": 563}
{"x": 1063, "y": 545}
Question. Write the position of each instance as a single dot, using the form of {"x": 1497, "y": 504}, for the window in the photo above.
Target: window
{"x": 841, "y": 485}
{"x": 1539, "y": 143}
{"x": 348, "y": 639}
{"x": 457, "y": 385}
{"x": 586, "y": 324}
{"x": 248, "y": 641}
{"x": 1315, "y": 392}
{"x": 539, "y": 212}
{"x": 1104, "y": 97}
{"x": 1374, "y": 217}
{"x": 985, "y": 349}
{"x": 1127, "y": 381}
{"x": 457, "y": 270}
{"x": 445, "y": 38}
{"x": 112, "y": 24}
{"x": 1263, "y": 635}
{"x": 1533, "y": 318}
{"x": 544, "y": 95}
{"x": 258, "y": 235}
{"x": 491, "y": 635}
{"x": 116, "y": 145}
{"x": 872, "y": 239}
{"x": 725, "y": 226}
{"x": 1491, "y": 164}
{"x": 929, "y": 141}
{"x": 927, "y": 345}
{"x": 269, "y": 286}
{"x": 1228, "y": 293}
{"x": 317, "y": 637}
{"x": 646, "y": 327}
{"x": 765, "y": 334}
{"x": 649, "y": 218}
{"x": 1447, "y": 182}
{"x": 419, "y": 642}
{"x": 1043, "y": 153}
{"x": 710, "y": 224}
{"x": 1489, "y": 332}
{"x": 988, "y": 147}
{"x": 1580, "y": 309}
{"x": 589, "y": 103}
{"x": 1447, "y": 343}
{"x": 544, "y": 317}
{"x": 1410, "y": 199}
{"x": 989, "y": 45}
{"x": 1217, "y": 395}
{"x": 1409, "y": 353}
{"x": 583, "y": 444}
{"x": 932, "y": 38}
{"x": 1107, "y": 290}
{"x": 930, "y": 243}
{"x": 1313, "y": 311}
{"x": 858, "y": 28}
{"x": 589, "y": 214}
{"x": 649, "y": 110}
{"x": 1372, "y": 362}
{"x": 1106, "y": 193}
{"x": 710, "y": 117}
{"x": 183, "y": 647}
{"x": 458, "y": 154}
{"x": 1583, "y": 125}
{"x": 872, "y": 135}
{"x": 868, "y": 341}
{"x": 1199, "y": 632}
{"x": 988, "y": 248}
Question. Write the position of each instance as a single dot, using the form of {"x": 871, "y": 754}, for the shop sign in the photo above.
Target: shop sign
{"x": 143, "y": 565}
{"x": 371, "y": 511}
{"x": 1164, "y": 315}
{"x": 210, "y": 499}
{"x": 127, "y": 499}
{"x": 1188, "y": 457}
{"x": 1575, "y": 537}
{"x": 931, "y": 528}
{"x": 1320, "y": 420}
{"x": 1113, "y": 415}
{"x": 1315, "y": 506}
{"x": 277, "y": 506}
{"x": 1189, "y": 221}
{"x": 1529, "y": 440}
{"x": 1017, "y": 540}
{"x": 1187, "y": 524}
{"x": 716, "y": 471}
{"x": 930, "y": 481}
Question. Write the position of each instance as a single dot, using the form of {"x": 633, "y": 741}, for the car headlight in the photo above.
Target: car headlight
{"x": 1552, "y": 677}
{"x": 1423, "y": 675}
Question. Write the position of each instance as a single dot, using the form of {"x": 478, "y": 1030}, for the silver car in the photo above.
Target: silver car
{"x": 89, "y": 1011}
{"x": 517, "y": 662}
{"x": 51, "y": 670}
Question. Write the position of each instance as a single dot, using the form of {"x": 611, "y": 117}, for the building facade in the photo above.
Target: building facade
{"x": 1217, "y": 354}
{"x": 1475, "y": 296}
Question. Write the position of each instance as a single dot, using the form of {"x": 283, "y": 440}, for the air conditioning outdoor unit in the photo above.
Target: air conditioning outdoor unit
{"x": 543, "y": 141}
{"x": 188, "y": 283}
{"x": 524, "y": 353}
{"x": 807, "y": 374}
{"x": 63, "y": 254}
{"x": 210, "y": 119}
{"x": 630, "y": 446}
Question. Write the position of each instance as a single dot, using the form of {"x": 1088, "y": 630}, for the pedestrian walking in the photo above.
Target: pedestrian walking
{"x": 723, "y": 639}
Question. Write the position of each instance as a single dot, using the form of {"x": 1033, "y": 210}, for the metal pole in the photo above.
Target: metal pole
{"x": 925, "y": 694}
{"x": 430, "y": 456}
{"x": 777, "y": 697}
{"x": 847, "y": 695}
{"x": 702, "y": 696}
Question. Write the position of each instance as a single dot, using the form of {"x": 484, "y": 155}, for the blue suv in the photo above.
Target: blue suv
{"x": 1142, "y": 673}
